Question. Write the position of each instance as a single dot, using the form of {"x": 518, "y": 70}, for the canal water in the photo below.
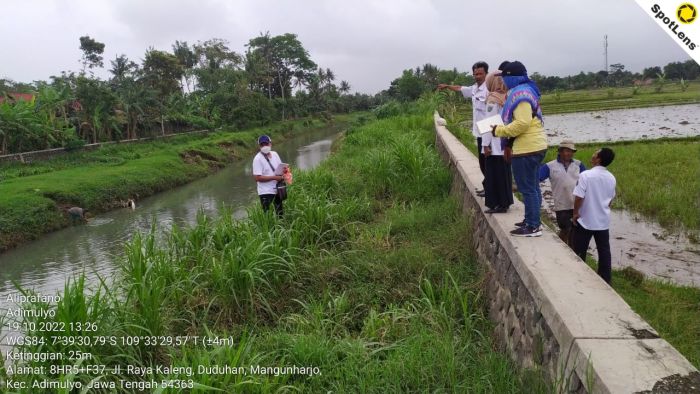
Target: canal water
{"x": 44, "y": 265}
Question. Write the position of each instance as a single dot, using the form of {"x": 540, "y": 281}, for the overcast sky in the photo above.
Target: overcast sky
{"x": 366, "y": 42}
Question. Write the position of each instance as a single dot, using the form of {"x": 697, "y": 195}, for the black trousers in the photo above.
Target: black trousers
{"x": 267, "y": 199}
{"x": 482, "y": 161}
{"x": 498, "y": 184}
{"x": 582, "y": 238}
{"x": 565, "y": 224}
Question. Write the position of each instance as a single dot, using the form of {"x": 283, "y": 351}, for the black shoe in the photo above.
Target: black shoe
{"x": 497, "y": 210}
{"x": 527, "y": 231}
{"x": 520, "y": 224}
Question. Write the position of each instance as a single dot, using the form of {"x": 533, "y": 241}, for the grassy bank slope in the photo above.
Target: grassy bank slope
{"x": 32, "y": 195}
{"x": 367, "y": 279}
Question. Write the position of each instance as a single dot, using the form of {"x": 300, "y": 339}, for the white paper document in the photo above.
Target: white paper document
{"x": 484, "y": 125}
{"x": 280, "y": 168}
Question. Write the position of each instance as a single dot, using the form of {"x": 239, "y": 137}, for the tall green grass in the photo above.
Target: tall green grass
{"x": 367, "y": 280}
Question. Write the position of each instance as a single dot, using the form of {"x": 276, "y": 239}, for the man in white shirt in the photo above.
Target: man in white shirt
{"x": 478, "y": 94}
{"x": 264, "y": 165}
{"x": 593, "y": 196}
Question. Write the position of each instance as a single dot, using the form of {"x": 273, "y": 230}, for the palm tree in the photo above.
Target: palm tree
{"x": 134, "y": 99}
{"x": 344, "y": 87}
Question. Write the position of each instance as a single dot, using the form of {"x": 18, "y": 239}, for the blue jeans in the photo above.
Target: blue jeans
{"x": 526, "y": 174}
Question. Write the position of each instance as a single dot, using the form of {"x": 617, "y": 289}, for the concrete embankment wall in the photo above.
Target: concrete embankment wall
{"x": 552, "y": 311}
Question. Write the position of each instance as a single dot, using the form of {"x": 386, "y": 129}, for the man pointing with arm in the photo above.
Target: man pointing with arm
{"x": 477, "y": 93}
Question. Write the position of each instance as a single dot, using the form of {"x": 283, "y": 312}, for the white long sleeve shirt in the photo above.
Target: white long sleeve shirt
{"x": 478, "y": 95}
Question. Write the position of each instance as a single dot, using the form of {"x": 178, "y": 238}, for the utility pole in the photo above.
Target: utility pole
{"x": 605, "y": 47}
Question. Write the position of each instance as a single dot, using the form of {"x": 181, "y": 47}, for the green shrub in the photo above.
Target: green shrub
{"x": 389, "y": 109}
{"x": 73, "y": 144}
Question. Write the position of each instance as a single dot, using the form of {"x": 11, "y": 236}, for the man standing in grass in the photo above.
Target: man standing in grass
{"x": 563, "y": 172}
{"x": 264, "y": 167}
{"x": 477, "y": 93}
{"x": 593, "y": 196}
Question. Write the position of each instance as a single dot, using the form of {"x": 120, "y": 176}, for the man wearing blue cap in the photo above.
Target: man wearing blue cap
{"x": 264, "y": 165}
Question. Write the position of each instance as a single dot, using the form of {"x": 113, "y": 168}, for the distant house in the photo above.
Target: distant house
{"x": 14, "y": 97}
{"x": 645, "y": 82}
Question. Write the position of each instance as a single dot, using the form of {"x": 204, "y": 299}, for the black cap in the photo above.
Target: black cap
{"x": 503, "y": 65}
{"x": 514, "y": 69}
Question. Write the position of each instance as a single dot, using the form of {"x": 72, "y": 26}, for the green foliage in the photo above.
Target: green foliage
{"x": 388, "y": 109}
{"x": 660, "y": 82}
{"x": 73, "y": 144}
{"x": 92, "y": 52}
{"x": 205, "y": 85}
{"x": 362, "y": 282}
{"x": 557, "y": 94}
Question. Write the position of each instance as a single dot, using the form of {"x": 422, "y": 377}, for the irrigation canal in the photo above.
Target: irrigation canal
{"x": 44, "y": 265}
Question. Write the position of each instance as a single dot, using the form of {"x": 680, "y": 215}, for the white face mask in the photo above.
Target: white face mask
{"x": 266, "y": 149}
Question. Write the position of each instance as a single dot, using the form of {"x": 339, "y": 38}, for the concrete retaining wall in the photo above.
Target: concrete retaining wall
{"x": 552, "y": 311}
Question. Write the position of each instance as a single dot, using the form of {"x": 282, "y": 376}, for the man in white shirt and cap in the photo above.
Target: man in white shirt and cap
{"x": 478, "y": 93}
{"x": 265, "y": 164}
{"x": 593, "y": 196}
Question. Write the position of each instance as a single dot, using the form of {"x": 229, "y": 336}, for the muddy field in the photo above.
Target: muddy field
{"x": 624, "y": 124}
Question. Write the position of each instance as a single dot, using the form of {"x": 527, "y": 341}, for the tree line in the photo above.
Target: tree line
{"x": 618, "y": 76}
{"x": 203, "y": 85}
{"x": 414, "y": 82}
{"x": 206, "y": 85}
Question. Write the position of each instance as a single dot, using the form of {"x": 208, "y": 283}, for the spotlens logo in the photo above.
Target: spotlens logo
{"x": 686, "y": 14}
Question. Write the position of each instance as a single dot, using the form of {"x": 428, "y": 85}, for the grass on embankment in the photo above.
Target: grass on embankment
{"x": 673, "y": 311}
{"x": 368, "y": 278}
{"x": 32, "y": 194}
